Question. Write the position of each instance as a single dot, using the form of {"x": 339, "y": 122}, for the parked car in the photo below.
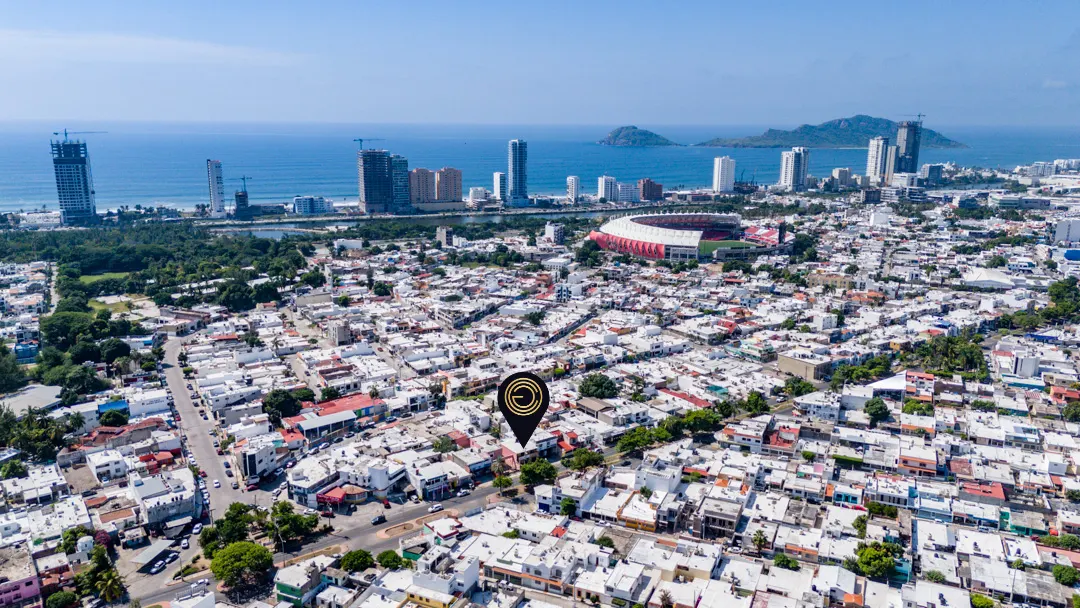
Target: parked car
{"x": 228, "y": 473}
{"x": 185, "y": 544}
{"x": 217, "y": 483}
{"x": 227, "y": 465}
{"x": 435, "y": 508}
{"x": 252, "y": 487}
{"x": 327, "y": 513}
{"x": 278, "y": 471}
{"x": 172, "y": 557}
{"x": 235, "y": 485}
{"x": 310, "y": 511}
{"x": 196, "y": 529}
{"x": 378, "y": 519}
{"x": 385, "y": 504}
{"x": 157, "y": 567}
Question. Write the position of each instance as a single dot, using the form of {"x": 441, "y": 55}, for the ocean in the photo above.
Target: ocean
{"x": 162, "y": 163}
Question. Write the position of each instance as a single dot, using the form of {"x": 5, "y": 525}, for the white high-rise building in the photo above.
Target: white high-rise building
{"x": 793, "y": 166}
{"x": 723, "y": 174}
{"x": 607, "y": 188}
{"x": 1067, "y": 230}
{"x": 573, "y": 189}
{"x": 498, "y": 186}
{"x": 627, "y": 193}
{"x": 517, "y": 181}
{"x": 217, "y": 188}
{"x": 876, "y": 157}
{"x": 312, "y": 205}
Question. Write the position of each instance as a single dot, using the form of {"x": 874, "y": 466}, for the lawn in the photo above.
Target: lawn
{"x": 94, "y": 278}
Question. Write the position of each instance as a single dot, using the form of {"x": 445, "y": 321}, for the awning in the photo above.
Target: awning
{"x": 148, "y": 555}
{"x": 179, "y": 521}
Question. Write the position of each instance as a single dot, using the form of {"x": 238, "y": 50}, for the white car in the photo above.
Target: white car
{"x": 185, "y": 544}
{"x": 196, "y": 529}
{"x": 217, "y": 484}
{"x": 463, "y": 492}
{"x": 435, "y": 508}
{"x": 310, "y": 511}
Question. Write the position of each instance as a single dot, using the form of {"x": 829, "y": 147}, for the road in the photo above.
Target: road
{"x": 152, "y": 590}
{"x": 197, "y": 435}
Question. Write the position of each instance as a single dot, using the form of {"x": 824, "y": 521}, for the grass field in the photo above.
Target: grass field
{"x": 115, "y": 308}
{"x": 94, "y": 278}
{"x": 708, "y": 247}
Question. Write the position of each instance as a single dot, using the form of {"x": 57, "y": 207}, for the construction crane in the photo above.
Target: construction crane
{"x": 361, "y": 140}
{"x": 918, "y": 116}
{"x": 65, "y": 133}
{"x": 242, "y": 178}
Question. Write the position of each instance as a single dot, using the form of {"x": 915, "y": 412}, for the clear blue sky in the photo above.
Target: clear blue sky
{"x": 714, "y": 62}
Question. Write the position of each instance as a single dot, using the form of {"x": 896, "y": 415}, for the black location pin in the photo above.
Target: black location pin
{"x": 523, "y": 400}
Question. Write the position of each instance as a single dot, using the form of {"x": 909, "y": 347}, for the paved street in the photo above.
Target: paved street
{"x": 198, "y": 438}
{"x": 150, "y": 590}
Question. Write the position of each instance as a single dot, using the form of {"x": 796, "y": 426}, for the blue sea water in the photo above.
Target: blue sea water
{"x": 161, "y": 163}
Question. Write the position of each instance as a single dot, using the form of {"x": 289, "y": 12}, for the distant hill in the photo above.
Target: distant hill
{"x": 854, "y": 132}
{"x": 633, "y": 137}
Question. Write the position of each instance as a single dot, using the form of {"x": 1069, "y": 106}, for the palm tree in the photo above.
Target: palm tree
{"x": 497, "y": 467}
{"x": 374, "y": 392}
{"x": 759, "y": 540}
{"x": 666, "y": 601}
{"x": 110, "y": 586}
{"x": 75, "y": 422}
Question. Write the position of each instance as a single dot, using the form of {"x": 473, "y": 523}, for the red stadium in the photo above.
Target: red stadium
{"x": 686, "y": 236}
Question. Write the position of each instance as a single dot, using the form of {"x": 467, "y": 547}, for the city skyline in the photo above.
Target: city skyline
{"x": 137, "y": 63}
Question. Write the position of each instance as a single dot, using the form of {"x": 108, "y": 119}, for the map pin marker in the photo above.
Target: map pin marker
{"x": 523, "y": 400}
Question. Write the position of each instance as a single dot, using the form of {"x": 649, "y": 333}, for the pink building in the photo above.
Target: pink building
{"x": 20, "y": 585}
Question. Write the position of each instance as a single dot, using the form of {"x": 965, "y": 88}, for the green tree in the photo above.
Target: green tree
{"x": 637, "y": 438}
{"x": 756, "y": 403}
{"x": 237, "y": 296}
{"x": 114, "y": 418}
{"x": 357, "y": 561}
{"x": 390, "y": 560}
{"x": 919, "y": 408}
{"x": 581, "y": 459}
{"x": 981, "y": 601}
{"x": 808, "y": 456}
{"x": 71, "y": 536}
{"x": 876, "y": 560}
{"x": 782, "y": 560}
{"x": 113, "y": 348}
{"x": 382, "y": 289}
{"x": 329, "y": 393}
{"x": 598, "y": 386}
{"x": 12, "y": 469}
{"x": 502, "y": 482}
{"x": 1066, "y": 575}
{"x": 286, "y": 525}
{"x": 996, "y": 261}
{"x": 443, "y": 445}
{"x": 110, "y": 586}
{"x": 568, "y": 507}
{"x": 759, "y": 540}
{"x": 535, "y": 317}
{"x": 935, "y": 577}
{"x": 538, "y": 472}
{"x": 304, "y": 394}
{"x": 876, "y": 409}
{"x": 605, "y": 541}
{"x": 860, "y": 525}
{"x": 242, "y": 564}
{"x": 280, "y": 403}
{"x": 84, "y": 351}
{"x": 61, "y": 599}
{"x": 788, "y": 324}
{"x": 12, "y": 376}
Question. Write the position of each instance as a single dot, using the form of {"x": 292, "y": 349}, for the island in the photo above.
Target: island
{"x": 853, "y": 132}
{"x": 633, "y": 137}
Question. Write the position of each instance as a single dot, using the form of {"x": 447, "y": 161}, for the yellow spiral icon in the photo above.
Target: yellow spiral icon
{"x": 523, "y": 397}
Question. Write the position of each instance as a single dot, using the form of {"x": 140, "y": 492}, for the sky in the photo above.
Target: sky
{"x": 690, "y": 62}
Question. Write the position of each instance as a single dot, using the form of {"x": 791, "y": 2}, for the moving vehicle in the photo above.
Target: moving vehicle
{"x": 327, "y": 513}
{"x": 217, "y": 483}
{"x": 310, "y": 511}
{"x": 378, "y": 519}
{"x": 435, "y": 508}
{"x": 196, "y": 529}
{"x": 463, "y": 492}
{"x": 185, "y": 544}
